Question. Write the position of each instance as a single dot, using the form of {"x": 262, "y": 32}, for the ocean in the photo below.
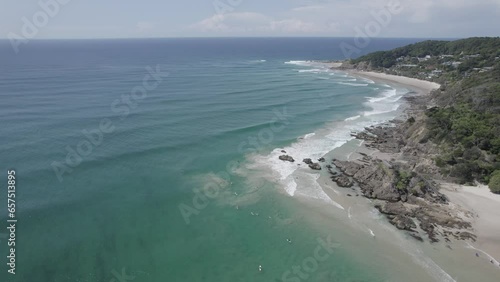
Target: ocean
{"x": 157, "y": 160}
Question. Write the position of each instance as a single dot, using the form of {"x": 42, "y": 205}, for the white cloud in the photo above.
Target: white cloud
{"x": 423, "y": 18}
{"x": 313, "y": 8}
{"x": 256, "y": 23}
{"x": 231, "y": 22}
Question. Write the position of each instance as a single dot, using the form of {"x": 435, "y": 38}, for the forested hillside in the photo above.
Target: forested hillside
{"x": 466, "y": 123}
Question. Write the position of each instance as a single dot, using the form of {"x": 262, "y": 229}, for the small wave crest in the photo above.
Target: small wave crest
{"x": 352, "y": 118}
{"x": 299, "y": 63}
{"x": 311, "y": 70}
{"x": 352, "y": 84}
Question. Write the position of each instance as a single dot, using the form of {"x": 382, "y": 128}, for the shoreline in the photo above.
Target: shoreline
{"x": 486, "y": 208}
{"x": 451, "y": 248}
{"x": 476, "y": 199}
{"x": 479, "y": 201}
{"x": 424, "y": 86}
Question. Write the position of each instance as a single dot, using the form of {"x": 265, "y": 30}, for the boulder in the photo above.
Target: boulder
{"x": 315, "y": 166}
{"x": 343, "y": 181}
{"x": 349, "y": 168}
{"x": 286, "y": 158}
{"x": 393, "y": 209}
{"x": 377, "y": 182}
{"x": 308, "y": 161}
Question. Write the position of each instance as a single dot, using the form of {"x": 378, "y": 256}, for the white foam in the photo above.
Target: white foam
{"x": 290, "y": 176}
{"x": 352, "y": 84}
{"x": 384, "y": 96}
{"x": 367, "y": 80}
{"x": 307, "y": 136}
{"x": 371, "y": 232}
{"x": 256, "y": 61}
{"x": 353, "y": 118}
{"x": 314, "y": 190}
{"x": 312, "y": 70}
{"x": 299, "y": 63}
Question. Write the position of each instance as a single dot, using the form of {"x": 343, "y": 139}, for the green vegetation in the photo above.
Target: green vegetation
{"x": 486, "y": 47}
{"x": 466, "y": 121}
{"x": 404, "y": 179}
{"x": 495, "y": 182}
{"x": 468, "y": 127}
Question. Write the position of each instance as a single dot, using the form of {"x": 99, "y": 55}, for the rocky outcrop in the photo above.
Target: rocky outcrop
{"x": 393, "y": 209}
{"x": 343, "y": 181}
{"x": 308, "y": 161}
{"x": 377, "y": 181}
{"x": 385, "y": 139}
{"x": 286, "y": 158}
{"x": 349, "y": 168}
{"x": 407, "y": 198}
{"x": 315, "y": 166}
{"x": 403, "y": 222}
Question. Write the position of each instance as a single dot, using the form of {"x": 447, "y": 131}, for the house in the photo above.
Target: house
{"x": 426, "y": 58}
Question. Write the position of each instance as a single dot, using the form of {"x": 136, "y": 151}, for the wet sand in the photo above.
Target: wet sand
{"x": 441, "y": 261}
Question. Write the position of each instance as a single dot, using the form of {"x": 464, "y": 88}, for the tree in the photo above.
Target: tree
{"x": 495, "y": 182}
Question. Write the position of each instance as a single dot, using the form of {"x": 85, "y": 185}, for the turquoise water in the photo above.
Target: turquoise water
{"x": 227, "y": 105}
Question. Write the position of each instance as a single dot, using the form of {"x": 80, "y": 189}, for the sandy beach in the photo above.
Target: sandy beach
{"x": 425, "y": 86}
{"x": 486, "y": 208}
{"x": 482, "y": 206}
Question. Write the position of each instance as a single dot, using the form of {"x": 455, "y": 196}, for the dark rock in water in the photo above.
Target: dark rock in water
{"x": 343, "y": 181}
{"x": 467, "y": 236}
{"x": 283, "y": 151}
{"x": 428, "y": 227}
{"x": 349, "y": 195}
{"x": 286, "y": 158}
{"x": 322, "y": 160}
{"x": 416, "y": 237}
{"x": 308, "y": 161}
{"x": 315, "y": 166}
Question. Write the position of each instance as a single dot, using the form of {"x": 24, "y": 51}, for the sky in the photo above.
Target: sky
{"x": 222, "y": 18}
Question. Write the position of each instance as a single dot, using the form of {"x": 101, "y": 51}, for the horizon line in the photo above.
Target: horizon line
{"x": 249, "y": 37}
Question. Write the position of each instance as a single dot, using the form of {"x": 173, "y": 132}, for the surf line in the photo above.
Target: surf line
{"x": 492, "y": 259}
